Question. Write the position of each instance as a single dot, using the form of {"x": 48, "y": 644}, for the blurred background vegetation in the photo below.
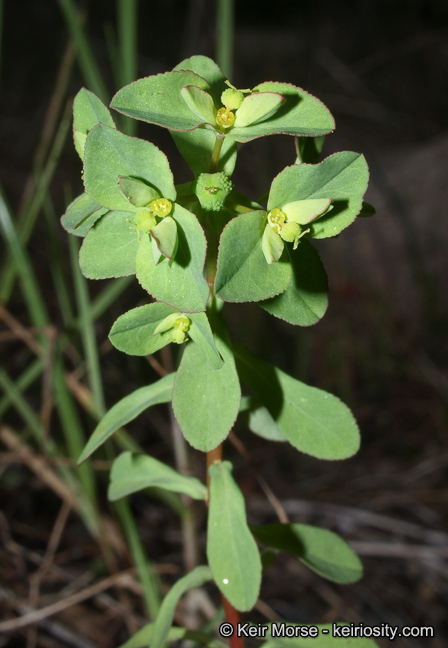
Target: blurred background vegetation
{"x": 382, "y": 69}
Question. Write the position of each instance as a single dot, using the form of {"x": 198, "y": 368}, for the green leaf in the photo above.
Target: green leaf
{"x": 135, "y": 472}
{"x": 142, "y": 638}
{"x": 272, "y": 245}
{"x": 342, "y": 177}
{"x": 325, "y": 638}
{"x": 81, "y": 215}
{"x": 110, "y": 155}
{"x": 137, "y": 192}
{"x": 179, "y": 282}
{"x": 319, "y": 549}
{"x": 88, "y": 111}
{"x": 257, "y": 107}
{"x": 196, "y": 578}
{"x": 200, "y": 102}
{"x": 201, "y": 334}
{"x": 259, "y": 421}
{"x": 157, "y": 100}
{"x": 127, "y": 409}
{"x": 305, "y": 299}
{"x": 243, "y": 274}
{"x": 110, "y": 248}
{"x": 305, "y": 211}
{"x": 206, "y": 400}
{"x": 133, "y": 332}
{"x": 300, "y": 114}
{"x": 196, "y": 148}
{"x": 208, "y": 70}
{"x": 313, "y": 421}
{"x": 232, "y": 552}
{"x": 165, "y": 236}
{"x": 309, "y": 149}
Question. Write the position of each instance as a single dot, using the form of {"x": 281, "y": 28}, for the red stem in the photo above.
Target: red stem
{"x": 233, "y": 617}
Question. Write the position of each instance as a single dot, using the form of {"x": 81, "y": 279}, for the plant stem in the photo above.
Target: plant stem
{"x": 213, "y": 456}
{"x": 224, "y": 51}
{"x": 215, "y": 154}
{"x": 233, "y": 617}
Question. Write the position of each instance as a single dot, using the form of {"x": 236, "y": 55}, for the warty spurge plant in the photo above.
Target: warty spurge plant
{"x": 194, "y": 247}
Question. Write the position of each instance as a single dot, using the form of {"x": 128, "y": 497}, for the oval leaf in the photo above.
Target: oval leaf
{"x": 206, "y": 400}
{"x": 272, "y": 245}
{"x": 304, "y": 211}
{"x": 131, "y": 473}
{"x": 165, "y": 236}
{"x": 200, "y": 102}
{"x": 207, "y": 69}
{"x": 127, "y": 409}
{"x": 259, "y": 421}
{"x": 81, "y": 215}
{"x": 134, "y": 331}
{"x": 342, "y": 177}
{"x": 110, "y": 247}
{"x": 256, "y": 107}
{"x": 179, "y": 282}
{"x": 312, "y": 420}
{"x": 201, "y": 333}
{"x": 321, "y": 550}
{"x": 305, "y": 300}
{"x": 157, "y": 99}
{"x": 88, "y": 111}
{"x": 110, "y": 155}
{"x": 300, "y": 114}
{"x": 243, "y": 273}
{"x": 137, "y": 192}
{"x": 232, "y": 552}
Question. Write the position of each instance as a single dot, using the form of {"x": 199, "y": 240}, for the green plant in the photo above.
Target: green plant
{"x": 194, "y": 247}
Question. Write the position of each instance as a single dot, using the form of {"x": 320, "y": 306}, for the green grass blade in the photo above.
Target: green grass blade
{"x": 20, "y": 263}
{"x": 72, "y": 429}
{"x": 224, "y": 36}
{"x": 126, "y": 72}
{"x": 31, "y": 373}
{"x": 84, "y": 52}
{"x": 29, "y": 217}
{"x": 56, "y": 263}
{"x": 127, "y": 38}
{"x": 1, "y": 33}
{"x": 147, "y": 575}
{"x": 87, "y": 330}
{"x": 19, "y": 402}
{"x": 145, "y": 570}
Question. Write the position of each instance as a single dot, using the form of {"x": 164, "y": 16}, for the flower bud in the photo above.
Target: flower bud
{"x": 232, "y": 99}
{"x": 290, "y": 231}
{"x": 144, "y": 220}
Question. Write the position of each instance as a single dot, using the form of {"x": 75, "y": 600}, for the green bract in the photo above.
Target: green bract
{"x": 191, "y": 97}
{"x": 193, "y": 247}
